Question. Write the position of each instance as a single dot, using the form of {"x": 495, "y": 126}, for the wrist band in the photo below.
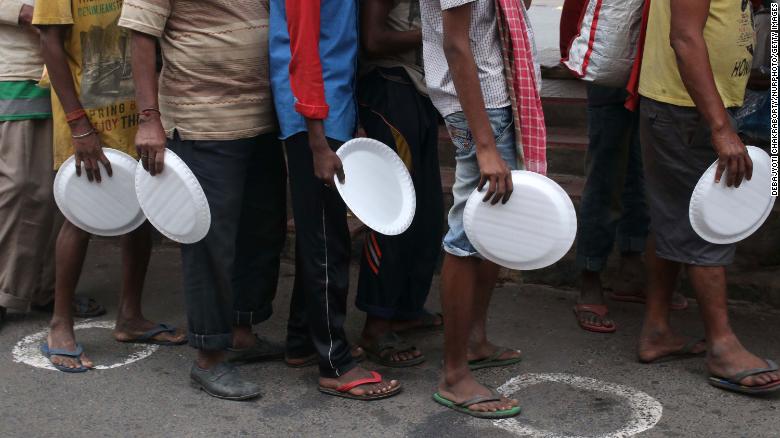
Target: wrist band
{"x": 75, "y": 115}
{"x": 145, "y": 112}
{"x": 86, "y": 134}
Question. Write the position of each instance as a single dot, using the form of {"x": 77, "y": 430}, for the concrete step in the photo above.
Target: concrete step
{"x": 565, "y": 103}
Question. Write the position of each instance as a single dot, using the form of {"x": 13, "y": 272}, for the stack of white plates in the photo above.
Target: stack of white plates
{"x": 534, "y": 229}
{"x": 377, "y": 188}
{"x": 108, "y": 208}
{"x": 722, "y": 214}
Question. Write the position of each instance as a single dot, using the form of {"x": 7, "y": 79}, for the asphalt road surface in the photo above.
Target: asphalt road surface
{"x": 571, "y": 383}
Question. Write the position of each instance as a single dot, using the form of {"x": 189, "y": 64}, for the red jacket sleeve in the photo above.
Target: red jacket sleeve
{"x": 306, "y": 82}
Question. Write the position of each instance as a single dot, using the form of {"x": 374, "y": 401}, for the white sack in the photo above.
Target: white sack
{"x": 604, "y": 50}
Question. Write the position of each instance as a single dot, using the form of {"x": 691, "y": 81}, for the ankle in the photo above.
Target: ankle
{"x": 375, "y": 327}
{"x": 60, "y": 323}
{"x": 208, "y": 359}
{"x": 453, "y": 376}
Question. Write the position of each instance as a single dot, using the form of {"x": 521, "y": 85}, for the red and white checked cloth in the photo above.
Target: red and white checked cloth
{"x": 530, "y": 130}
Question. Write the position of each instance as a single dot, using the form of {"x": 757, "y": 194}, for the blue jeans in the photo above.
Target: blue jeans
{"x": 467, "y": 173}
{"x": 613, "y": 202}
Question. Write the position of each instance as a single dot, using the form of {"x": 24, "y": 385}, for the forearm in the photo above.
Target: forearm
{"x": 317, "y": 140}
{"x": 693, "y": 62}
{"x": 57, "y": 66}
{"x": 467, "y": 85}
{"x": 145, "y": 70}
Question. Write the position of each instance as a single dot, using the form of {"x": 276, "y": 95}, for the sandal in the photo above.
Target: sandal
{"x": 343, "y": 390}
{"x": 76, "y": 354}
{"x": 148, "y": 336}
{"x": 599, "y": 310}
{"x": 388, "y": 345}
{"x": 463, "y": 407}
{"x": 732, "y": 383}
{"x": 494, "y": 361}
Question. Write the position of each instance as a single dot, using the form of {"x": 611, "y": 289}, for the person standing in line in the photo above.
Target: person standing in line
{"x": 88, "y": 61}
{"x": 465, "y": 72}
{"x": 696, "y": 64}
{"x": 26, "y": 204}
{"x": 394, "y": 108}
{"x": 213, "y": 108}
{"x": 313, "y": 64}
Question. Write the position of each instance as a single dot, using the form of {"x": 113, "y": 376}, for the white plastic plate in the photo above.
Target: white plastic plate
{"x": 377, "y": 188}
{"x": 108, "y": 208}
{"x": 174, "y": 201}
{"x": 721, "y": 214}
{"x": 534, "y": 229}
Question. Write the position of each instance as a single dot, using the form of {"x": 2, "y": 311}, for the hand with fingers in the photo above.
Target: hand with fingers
{"x": 496, "y": 174}
{"x": 150, "y": 141}
{"x": 88, "y": 152}
{"x": 733, "y": 157}
{"x": 327, "y": 164}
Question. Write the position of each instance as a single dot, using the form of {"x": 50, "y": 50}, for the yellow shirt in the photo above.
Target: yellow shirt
{"x": 98, "y": 53}
{"x": 729, "y": 36}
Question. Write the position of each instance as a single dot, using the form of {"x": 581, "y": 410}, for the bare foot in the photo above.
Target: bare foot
{"x": 725, "y": 358}
{"x": 130, "y": 329}
{"x": 655, "y": 344}
{"x": 61, "y": 337}
{"x": 467, "y": 388}
{"x": 358, "y": 373}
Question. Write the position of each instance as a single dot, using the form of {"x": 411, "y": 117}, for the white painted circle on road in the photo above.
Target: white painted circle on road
{"x": 28, "y": 350}
{"x": 645, "y": 410}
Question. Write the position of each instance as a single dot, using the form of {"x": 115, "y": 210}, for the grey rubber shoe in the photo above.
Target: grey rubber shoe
{"x": 223, "y": 381}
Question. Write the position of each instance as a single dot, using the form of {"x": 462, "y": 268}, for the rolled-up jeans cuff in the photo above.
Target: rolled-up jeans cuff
{"x": 591, "y": 264}
{"x": 252, "y": 317}
{"x": 214, "y": 342}
{"x": 458, "y": 252}
{"x": 631, "y": 244}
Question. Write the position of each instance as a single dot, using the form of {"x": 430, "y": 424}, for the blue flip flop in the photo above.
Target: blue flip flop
{"x": 148, "y": 336}
{"x": 49, "y": 352}
{"x": 732, "y": 383}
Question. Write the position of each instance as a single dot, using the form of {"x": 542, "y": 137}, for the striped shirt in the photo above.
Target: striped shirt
{"x": 214, "y": 82}
{"x": 485, "y": 45}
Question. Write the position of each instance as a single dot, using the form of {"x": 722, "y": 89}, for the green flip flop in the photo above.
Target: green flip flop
{"x": 463, "y": 407}
{"x": 494, "y": 361}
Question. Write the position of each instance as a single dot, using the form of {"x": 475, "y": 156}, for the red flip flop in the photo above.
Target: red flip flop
{"x": 597, "y": 309}
{"x": 343, "y": 390}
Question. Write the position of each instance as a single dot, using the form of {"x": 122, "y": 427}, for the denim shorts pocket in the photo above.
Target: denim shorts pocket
{"x": 459, "y": 131}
